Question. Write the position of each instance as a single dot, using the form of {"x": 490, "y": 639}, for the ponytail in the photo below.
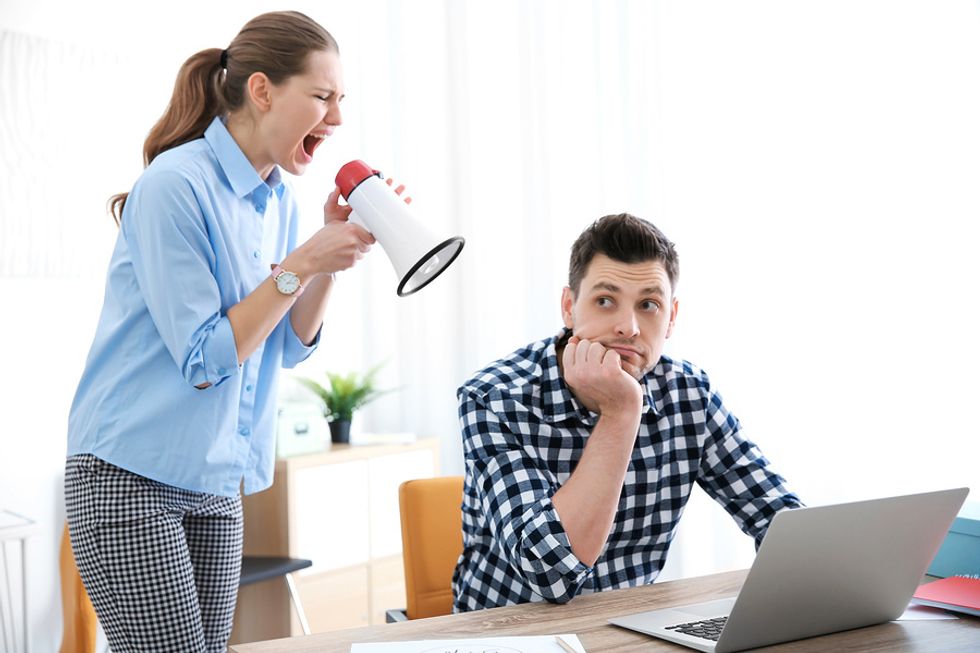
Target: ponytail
{"x": 195, "y": 102}
{"x": 213, "y": 81}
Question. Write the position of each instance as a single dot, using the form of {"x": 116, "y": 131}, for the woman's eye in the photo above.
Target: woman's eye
{"x": 322, "y": 98}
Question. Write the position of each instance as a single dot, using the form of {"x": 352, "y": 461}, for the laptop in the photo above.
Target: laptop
{"x": 819, "y": 570}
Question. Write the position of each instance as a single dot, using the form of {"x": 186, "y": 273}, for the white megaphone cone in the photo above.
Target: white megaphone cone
{"x": 417, "y": 255}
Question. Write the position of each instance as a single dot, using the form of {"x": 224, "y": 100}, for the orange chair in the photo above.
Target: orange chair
{"x": 432, "y": 539}
{"x": 79, "y": 615}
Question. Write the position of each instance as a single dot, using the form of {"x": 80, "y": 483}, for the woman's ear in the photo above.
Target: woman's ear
{"x": 260, "y": 91}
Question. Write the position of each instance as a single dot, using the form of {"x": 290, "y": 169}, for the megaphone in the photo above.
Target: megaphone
{"x": 416, "y": 254}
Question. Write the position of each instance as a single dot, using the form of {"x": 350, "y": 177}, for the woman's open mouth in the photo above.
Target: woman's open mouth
{"x": 312, "y": 141}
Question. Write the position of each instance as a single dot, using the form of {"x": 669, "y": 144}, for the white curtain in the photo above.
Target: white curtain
{"x": 816, "y": 164}
{"x": 515, "y": 125}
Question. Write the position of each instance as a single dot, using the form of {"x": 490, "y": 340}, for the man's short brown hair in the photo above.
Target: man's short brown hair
{"x": 624, "y": 238}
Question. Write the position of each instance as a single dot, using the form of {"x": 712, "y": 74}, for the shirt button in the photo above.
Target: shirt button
{"x": 244, "y": 430}
{"x": 248, "y": 388}
{"x": 256, "y": 254}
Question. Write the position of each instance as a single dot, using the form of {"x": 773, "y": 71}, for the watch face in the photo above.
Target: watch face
{"x": 287, "y": 282}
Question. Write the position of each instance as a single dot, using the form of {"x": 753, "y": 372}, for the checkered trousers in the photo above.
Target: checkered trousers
{"x": 161, "y": 564}
{"x": 524, "y": 433}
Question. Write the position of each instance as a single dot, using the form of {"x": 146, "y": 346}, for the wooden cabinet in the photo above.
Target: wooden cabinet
{"x": 338, "y": 508}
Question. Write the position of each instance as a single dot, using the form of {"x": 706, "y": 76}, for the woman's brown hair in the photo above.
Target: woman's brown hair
{"x": 213, "y": 81}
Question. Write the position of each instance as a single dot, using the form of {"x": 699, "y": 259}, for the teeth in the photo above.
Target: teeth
{"x": 320, "y": 136}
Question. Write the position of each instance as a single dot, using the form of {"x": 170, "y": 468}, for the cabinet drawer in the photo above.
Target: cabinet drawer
{"x": 338, "y": 508}
{"x": 330, "y": 518}
{"x": 387, "y": 587}
{"x": 386, "y": 474}
{"x": 335, "y": 599}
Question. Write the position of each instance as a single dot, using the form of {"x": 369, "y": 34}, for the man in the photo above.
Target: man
{"x": 582, "y": 449}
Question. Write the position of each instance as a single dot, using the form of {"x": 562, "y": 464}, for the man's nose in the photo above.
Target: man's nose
{"x": 628, "y": 326}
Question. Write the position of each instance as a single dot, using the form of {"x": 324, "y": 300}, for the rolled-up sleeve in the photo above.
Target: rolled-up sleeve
{"x": 736, "y": 474}
{"x": 515, "y": 492}
{"x": 173, "y": 262}
{"x": 294, "y": 350}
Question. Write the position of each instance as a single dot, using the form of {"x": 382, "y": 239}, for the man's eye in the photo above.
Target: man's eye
{"x": 650, "y": 305}
{"x": 604, "y": 301}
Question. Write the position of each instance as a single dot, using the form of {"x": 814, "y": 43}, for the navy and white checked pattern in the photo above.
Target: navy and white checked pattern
{"x": 161, "y": 564}
{"x": 523, "y": 434}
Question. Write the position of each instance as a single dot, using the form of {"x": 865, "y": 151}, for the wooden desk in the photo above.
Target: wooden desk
{"x": 586, "y": 617}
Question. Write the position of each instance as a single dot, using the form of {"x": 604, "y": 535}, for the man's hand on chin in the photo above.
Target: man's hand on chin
{"x": 599, "y": 378}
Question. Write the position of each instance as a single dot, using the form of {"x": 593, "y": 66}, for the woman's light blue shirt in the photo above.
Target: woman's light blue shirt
{"x": 199, "y": 232}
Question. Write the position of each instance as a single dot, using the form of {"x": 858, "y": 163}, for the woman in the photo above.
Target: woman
{"x": 175, "y": 409}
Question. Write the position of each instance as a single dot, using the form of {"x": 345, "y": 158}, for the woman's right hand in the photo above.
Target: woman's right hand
{"x": 338, "y": 245}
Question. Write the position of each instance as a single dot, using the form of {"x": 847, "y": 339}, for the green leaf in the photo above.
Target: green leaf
{"x": 345, "y": 393}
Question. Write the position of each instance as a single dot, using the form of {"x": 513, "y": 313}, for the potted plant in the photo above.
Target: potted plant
{"x": 343, "y": 394}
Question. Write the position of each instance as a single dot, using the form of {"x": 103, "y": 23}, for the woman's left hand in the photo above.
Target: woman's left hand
{"x": 333, "y": 211}
{"x": 399, "y": 190}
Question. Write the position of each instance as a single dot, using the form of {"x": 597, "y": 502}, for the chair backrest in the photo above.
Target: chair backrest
{"x": 432, "y": 539}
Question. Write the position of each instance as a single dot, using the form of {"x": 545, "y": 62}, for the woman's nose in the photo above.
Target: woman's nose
{"x": 334, "y": 116}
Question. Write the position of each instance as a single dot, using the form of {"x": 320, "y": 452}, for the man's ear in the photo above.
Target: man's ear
{"x": 673, "y": 316}
{"x": 259, "y": 91}
{"x": 567, "y": 301}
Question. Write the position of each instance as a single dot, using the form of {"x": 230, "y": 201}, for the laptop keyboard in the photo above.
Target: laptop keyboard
{"x": 706, "y": 628}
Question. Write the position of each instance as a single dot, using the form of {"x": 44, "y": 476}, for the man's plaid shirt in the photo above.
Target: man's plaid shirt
{"x": 523, "y": 434}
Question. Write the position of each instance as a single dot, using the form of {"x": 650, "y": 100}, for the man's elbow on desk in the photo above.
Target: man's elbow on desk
{"x": 554, "y": 580}
{"x": 559, "y": 592}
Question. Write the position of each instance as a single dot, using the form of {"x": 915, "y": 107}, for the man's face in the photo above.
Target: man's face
{"x": 623, "y": 306}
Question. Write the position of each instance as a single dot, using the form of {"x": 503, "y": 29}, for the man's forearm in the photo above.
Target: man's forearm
{"x": 586, "y": 504}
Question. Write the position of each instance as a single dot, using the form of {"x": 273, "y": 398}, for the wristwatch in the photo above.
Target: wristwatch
{"x": 287, "y": 282}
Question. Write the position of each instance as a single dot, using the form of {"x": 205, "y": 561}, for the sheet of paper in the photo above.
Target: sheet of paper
{"x": 530, "y": 644}
{"x": 924, "y": 613}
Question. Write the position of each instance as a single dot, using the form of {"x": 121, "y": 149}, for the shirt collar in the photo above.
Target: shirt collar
{"x": 241, "y": 175}
{"x": 557, "y": 399}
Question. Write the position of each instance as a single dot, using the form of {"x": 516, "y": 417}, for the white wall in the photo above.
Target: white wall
{"x": 820, "y": 165}
{"x": 816, "y": 164}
